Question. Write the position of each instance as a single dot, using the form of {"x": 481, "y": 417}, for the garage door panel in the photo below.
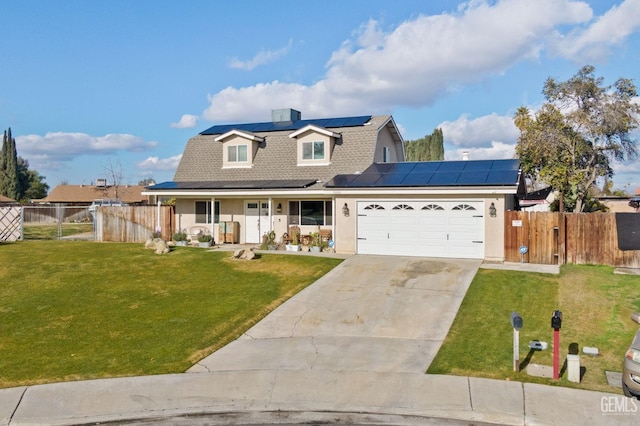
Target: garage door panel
{"x": 422, "y": 228}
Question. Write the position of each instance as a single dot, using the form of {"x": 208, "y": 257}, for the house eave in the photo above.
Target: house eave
{"x": 326, "y": 192}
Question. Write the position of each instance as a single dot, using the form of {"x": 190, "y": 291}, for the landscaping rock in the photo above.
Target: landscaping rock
{"x": 158, "y": 244}
{"x": 244, "y": 254}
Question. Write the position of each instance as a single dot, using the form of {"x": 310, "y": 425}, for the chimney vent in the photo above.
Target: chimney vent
{"x": 285, "y": 115}
{"x": 465, "y": 155}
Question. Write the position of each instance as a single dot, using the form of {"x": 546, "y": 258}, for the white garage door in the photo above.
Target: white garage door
{"x": 422, "y": 228}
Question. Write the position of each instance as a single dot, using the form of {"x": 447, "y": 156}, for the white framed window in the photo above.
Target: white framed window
{"x": 237, "y": 153}
{"x": 386, "y": 154}
{"x": 203, "y": 212}
{"x": 313, "y": 150}
{"x": 311, "y": 212}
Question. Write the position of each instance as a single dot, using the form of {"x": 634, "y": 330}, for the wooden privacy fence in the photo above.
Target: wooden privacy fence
{"x": 559, "y": 238}
{"x": 133, "y": 224}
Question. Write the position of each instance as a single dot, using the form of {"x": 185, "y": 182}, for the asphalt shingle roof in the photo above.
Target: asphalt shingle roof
{"x": 276, "y": 158}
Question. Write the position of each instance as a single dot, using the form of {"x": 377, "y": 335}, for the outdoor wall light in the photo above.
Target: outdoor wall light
{"x": 345, "y": 210}
{"x": 279, "y": 208}
{"x": 492, "y": 210}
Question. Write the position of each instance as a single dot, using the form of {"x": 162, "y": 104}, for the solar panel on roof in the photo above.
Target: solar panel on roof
{"x": 391, "y": 179}
{"x": 427, "y": 166}
{"x": 477, "y": 165}
{"x": 365, "y": 179}
{"x": 417, "y": 179}
{"x": 451, "y": 166}
{"x": 502, "y": 177}
{"x": 472, "y": 177}
{"x": 288, "y": 125}
{"x": 505, "y": 165}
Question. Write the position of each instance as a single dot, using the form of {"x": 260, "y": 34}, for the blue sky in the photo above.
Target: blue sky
{"x": 85, "y": 84}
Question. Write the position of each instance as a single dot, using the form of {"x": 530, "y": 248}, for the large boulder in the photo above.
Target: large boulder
{"x": 244, "y": 254}
{"x": 158, "y": 244}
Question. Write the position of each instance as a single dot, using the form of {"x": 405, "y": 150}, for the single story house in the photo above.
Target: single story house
{"x": 6, "y": 201}
{"x": 345, "y": 176}
{"x": 85, "y": 195}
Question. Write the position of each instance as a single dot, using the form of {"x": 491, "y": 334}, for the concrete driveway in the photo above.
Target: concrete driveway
{"x": 371, "y": 313}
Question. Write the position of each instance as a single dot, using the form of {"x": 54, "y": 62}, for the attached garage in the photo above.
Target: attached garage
{"x": 433, "y": 228}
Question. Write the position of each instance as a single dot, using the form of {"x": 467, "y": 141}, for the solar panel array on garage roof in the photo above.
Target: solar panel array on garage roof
{"x": 432, "y": 173}
{"x": 270, "y": 126}
{"x": 240, "y": 184}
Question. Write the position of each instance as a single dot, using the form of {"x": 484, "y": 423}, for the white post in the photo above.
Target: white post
{"x": 158, "y": 229}
{"x": 516, "y": 350}
{"x": 270, "y": 214}
{"x": 213, "y": 215}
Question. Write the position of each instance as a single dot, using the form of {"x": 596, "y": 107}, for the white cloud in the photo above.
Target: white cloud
{"x": 481, "y": 132}
{"x": 187, "y": 121}
{"x": 414, "y": 64}
{"x": 594, "y": 42}
{"x": 261, "y": 58}
{"x": 155, "y": 163}
{"x": 55, "y": 148}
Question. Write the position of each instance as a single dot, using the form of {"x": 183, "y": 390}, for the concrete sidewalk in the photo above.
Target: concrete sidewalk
{"x": 351, "y": 348}
{"x": 403, "y": 398}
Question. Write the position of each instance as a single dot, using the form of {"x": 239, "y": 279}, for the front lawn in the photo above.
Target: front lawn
{"x": 595, "y": 303}
{"x": 81, "y": 310}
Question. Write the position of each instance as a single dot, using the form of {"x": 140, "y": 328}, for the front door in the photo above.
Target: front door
{"x": 256, "y": 221}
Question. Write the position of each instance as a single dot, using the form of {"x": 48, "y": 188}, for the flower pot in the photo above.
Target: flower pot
{"x": 181, "y": 243}
{"x": 205, "y": 244}
{"x": 316, "y": 249}
{"x": 291, "y": 247}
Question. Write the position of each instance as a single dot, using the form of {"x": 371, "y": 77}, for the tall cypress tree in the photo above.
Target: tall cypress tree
{"x": 9, "y": 180}
{"x": 428, "y": 148}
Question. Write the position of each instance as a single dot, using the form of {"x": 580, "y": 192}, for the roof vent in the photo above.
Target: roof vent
{"x": 101, "y": 183}
{"x": 285, "y": 115}
{"x": 465, "y": 155}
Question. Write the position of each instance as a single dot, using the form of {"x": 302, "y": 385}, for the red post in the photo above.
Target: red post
{"x": 556, "y": 353}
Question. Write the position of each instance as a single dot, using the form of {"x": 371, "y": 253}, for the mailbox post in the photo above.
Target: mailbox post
{"x": 516, "y": 323}
{"x": 556, "y": 324}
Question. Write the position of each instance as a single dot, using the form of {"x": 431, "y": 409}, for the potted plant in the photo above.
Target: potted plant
{"x": 269, "y": 241}
{"x": 180, "y": 238}
{"x": 316, "y": 242}
{"x": 204, "y": 240}
{"x": 295, "y": 242}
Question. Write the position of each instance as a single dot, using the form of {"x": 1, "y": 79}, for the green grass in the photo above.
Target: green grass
{"x": 50, "y": 231}
{"x": 595, "y": 303}
{"x": 80, "y": 310}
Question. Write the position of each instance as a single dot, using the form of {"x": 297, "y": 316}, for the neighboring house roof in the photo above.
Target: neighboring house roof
{"x": 276, "y": 156}
{"x": 540, "y": 194}
{"x": 87, "y": 193}
{"x": 433, "y": 174}
{"x": 6, "y": 200}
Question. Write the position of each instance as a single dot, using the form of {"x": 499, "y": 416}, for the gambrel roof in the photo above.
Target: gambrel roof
{"x": 353, "y": 150}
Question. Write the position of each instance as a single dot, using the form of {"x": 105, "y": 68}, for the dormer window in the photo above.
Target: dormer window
{"x": 237, "y": 154}
{"x": 239, "y": 148}
{"x": 314, "y": 145}
{"x": 313, "y": 150}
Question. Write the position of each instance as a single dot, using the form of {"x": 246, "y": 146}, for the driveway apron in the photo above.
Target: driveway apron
{"x": 371, "y": 313}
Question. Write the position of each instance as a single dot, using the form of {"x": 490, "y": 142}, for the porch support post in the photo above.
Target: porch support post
{"x": 270, "y": 214}
{"x": 158, "y": 228}
{"x": 333, "y": 220}
{"x": 213, "y": 215}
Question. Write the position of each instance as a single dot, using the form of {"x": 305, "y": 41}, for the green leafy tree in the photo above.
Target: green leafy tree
{"x": 33, "y": 182}
{"x": 428, "y": 148}
{"x": 583, "y": 126}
